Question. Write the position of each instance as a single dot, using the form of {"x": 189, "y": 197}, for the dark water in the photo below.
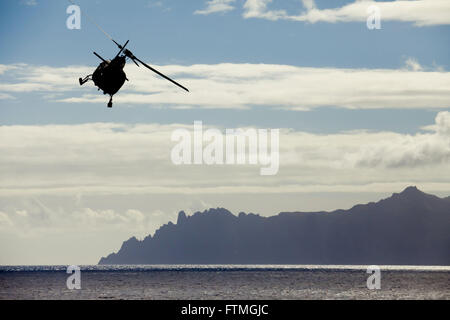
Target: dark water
{"x": 224, "y": 282}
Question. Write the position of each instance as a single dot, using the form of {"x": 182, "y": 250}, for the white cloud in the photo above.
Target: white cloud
{"x": 443, "y": 124}
{"x": 248, "y": 85}
{"x": 419, "y": 12}
{"x": 5, "y": 96}
{"x": 413, "y": 64}
{"x": 90, "y": 218}
{"x": 5, "y": 221}
{"x": 5, "y": 68}
{"x": 309, "y": 4}
{"x": 106, "y": 158}
{"x": 258, "y": 9}
{"x": 216, "y": 6}
{"x": 67, "y": 234}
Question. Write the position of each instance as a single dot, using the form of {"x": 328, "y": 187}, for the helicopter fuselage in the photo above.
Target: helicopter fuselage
{"x": 109, "y": 75}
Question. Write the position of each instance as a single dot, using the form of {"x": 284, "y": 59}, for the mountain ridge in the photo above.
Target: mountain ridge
{"x": 410, "y": 227}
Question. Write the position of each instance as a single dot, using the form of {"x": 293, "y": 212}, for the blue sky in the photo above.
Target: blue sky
{"x": 173, "y": 33}
{"x": 168, "y": 32}
{"x": 363, "y": 113}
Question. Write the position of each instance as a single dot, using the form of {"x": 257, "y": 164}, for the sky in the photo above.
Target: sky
{"x": 362, "y": 113}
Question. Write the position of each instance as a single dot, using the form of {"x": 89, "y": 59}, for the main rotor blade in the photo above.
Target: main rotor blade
{"x": 98, "y": 56}
{"x": 162, "y": 75}
{"x": 135, "y": 62}
{"x": 121, "y": 47}
{"x": 117, "y": 44}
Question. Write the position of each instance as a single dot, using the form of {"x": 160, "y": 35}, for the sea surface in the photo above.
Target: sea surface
{"x": 224, "y": 282}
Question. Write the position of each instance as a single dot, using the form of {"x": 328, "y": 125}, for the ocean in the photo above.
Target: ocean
{"x": 228, "y": 282}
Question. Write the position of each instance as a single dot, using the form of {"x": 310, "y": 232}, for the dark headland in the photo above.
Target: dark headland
{"x": 409, "y": 228}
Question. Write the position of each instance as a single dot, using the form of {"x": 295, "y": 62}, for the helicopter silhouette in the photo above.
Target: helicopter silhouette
{"x": 110, "y": 77}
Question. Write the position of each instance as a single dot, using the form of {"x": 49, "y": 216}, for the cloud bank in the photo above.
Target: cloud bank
{"x": 228, "y": 86}
{"x": 111, "y": 158}
{"x": 216, "y": 6}
{"x": 419, "y": 12}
